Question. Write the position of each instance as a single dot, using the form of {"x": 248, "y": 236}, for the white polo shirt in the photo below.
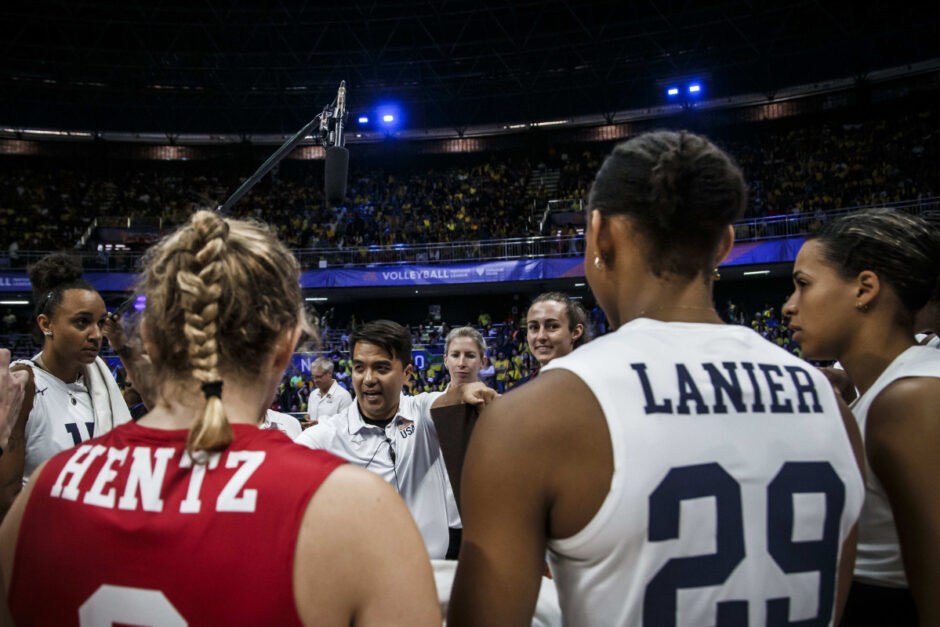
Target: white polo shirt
{"x": 335, "y": 401}
{"x": 418, "y": 472}
{"x": 282, "y": 422}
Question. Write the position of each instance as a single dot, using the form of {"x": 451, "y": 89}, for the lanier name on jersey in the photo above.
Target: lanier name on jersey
{"x": 738, "y": 386}
{"x": 142, "y": 484}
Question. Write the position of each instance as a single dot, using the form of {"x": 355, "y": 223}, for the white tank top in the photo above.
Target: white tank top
{"x": 62, "y": 416}
{"x": 734, "y": 483}
{"x": 878, "y": 560}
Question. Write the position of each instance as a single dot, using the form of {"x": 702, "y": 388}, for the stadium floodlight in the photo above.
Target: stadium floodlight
{"x": 363, "y": 119}
{"x": 695, "y": 88}
{"x": 672, "y": 91}
{"x": 389, "y": 116}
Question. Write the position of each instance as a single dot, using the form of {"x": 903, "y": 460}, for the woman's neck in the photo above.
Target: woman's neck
{"x": 872, "y": 352}
{"x": 59, "y": 367}
{"x": 669, "y": 301}
{"x": 180, "y": 404}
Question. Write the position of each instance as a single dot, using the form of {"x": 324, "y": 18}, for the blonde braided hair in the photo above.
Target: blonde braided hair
{"x": 200, "y": 289}
{"x": 231, "y": 289}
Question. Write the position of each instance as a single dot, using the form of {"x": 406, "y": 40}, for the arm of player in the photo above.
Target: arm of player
{"x": 903, "y": 437}
{"x": 12, "y": 392}
{"x": 9, "y": 533}
{"x": 360, "y": 559}
{"x": 476, "y": 393}
{"x": 849, "y": 546}
{"x": 516, "y": 465}
{"x": 13, "y": 460}
{"x": 135, "y": 360}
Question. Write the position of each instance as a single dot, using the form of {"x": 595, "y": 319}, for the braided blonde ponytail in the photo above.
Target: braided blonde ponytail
{"x": 200, "y": 289}
{"x": 232, "y": 290}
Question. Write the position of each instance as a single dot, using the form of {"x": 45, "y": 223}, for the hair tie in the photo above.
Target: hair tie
{"x": 212, "y": 388}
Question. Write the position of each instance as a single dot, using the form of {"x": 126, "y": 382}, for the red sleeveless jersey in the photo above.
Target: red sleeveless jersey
{"x": 125, "y": 529}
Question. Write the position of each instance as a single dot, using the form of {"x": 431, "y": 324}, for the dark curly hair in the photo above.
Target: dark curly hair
{"x": 50, "y": 277}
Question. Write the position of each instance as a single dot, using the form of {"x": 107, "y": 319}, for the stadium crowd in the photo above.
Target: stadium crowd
{"x": 810, "y": 167}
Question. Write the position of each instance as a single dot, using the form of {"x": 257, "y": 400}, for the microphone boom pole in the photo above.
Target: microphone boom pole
{"x": 266, "y": 167}
{"x": 337, "y": 116}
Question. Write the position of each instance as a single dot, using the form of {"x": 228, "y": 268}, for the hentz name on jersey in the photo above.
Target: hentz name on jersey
{"x": 143, "y": 484}
{"x": 738, "y": 387}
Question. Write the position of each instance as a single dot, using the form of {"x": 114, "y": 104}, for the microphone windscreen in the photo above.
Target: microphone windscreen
{"x": 335, "y": 172}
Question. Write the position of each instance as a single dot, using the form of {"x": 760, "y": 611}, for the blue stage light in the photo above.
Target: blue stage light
{"x": 389, "y": 116}
{"x": 672, "y": 91}
{"x": 695, "y": 88}
{"x": 363, "y": 119}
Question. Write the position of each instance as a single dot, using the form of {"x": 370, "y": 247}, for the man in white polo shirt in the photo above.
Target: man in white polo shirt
{"x": 328, "y": 397}
{"x": 392, "y": 434}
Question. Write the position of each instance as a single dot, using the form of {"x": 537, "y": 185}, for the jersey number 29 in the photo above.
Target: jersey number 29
{"x": 704, "y": 480}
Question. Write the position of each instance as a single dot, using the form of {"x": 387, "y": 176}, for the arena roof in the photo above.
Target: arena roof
{"x": 187, "y": 66}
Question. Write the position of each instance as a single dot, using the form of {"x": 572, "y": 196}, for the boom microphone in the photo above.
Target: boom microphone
{"x": 335, "y": 172}
{"x": 337, "y": 157}
{"x": 336, "y": 168}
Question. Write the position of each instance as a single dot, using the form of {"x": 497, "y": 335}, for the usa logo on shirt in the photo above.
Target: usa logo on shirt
{"x": 406, "y": 427}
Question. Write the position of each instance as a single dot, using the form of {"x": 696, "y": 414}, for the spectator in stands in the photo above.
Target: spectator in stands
{"x": 9, "y": 321}
{"x": 501, "y": 367}
{"x": 328, "y": 397}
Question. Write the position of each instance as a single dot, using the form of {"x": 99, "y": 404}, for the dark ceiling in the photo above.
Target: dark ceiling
{"x": 234, "y": 67}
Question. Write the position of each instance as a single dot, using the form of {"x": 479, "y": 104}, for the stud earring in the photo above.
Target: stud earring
{"x": 47, "y": 333}
{"x": 598, "y": 263}
{"x": 862, "y": 308}
{"x": 715, "y": 274}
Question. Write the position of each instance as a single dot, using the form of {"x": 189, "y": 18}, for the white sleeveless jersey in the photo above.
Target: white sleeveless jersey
{"x": 285, "y": 423}
{"x": 734, "y": 483}
{"x": 878, "y": 560}
{"x": 62, "y": 416}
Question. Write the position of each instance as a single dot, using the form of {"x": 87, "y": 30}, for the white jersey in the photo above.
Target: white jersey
{"x": 878, "y": 560}
{"x": 62, "y": 417}
{"x": 282, "y": 422}
{"x": 734, "y": 483}
{"x": 933, "y": 342}
{"x": 406, "y": 453}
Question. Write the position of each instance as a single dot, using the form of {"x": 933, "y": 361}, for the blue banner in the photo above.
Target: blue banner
{"x": 486, "y": 272}
{"x": 745, "y": 253}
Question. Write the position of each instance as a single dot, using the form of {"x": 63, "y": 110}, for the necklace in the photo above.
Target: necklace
{"x": 676, "y": 307}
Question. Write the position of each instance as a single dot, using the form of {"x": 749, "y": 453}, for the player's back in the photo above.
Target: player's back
{"x": 126, "y": 529}
{"x": 734, "y": 483}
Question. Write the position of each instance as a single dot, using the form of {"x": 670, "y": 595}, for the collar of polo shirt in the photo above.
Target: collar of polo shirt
{"x": 355, "y": 423}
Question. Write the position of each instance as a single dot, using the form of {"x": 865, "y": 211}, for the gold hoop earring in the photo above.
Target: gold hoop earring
{"x": 598, "y": 263}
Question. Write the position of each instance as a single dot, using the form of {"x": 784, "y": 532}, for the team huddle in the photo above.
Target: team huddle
{"x": 676, "y": 471}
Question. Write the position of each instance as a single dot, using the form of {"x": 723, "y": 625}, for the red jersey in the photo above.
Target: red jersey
{"x": 126, "y": 529}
